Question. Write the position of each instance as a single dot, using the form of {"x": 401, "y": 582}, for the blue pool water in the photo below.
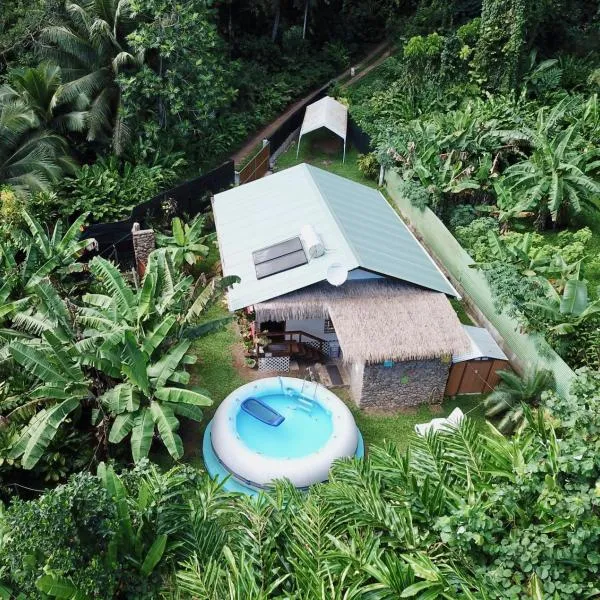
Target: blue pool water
{"x": 306, "y": 428}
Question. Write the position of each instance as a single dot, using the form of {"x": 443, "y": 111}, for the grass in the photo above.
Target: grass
{"x": 215, "y": 372}
{"x": 320, "y": 149}
{"x": 399, "y": 427}
{"x": 461, "y": 312}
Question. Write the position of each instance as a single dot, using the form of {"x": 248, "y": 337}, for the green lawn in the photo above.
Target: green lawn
{"x": 217, "y": 373}
{"x": 320, "y": 149}
{"x": 399, "y": 427}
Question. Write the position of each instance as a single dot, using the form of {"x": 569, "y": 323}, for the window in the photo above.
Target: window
{"x": 328, "y": 327}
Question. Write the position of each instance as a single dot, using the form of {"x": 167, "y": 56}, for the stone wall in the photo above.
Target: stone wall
{"x": 144, "y": 243}
{"x": 404, "y": 384}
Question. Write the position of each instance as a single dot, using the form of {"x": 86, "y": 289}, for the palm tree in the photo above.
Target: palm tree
{"x": 38, "y": 89}
{"x": 513, "y": 392}
{"x": 91, "y": 50}
{"x": 31, "y": 158}
{"x": 556, "y": 179}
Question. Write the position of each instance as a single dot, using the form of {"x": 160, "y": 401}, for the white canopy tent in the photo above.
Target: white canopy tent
{"x": 328, "y": 113}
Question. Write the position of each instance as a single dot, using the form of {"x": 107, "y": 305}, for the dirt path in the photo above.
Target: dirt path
{"x": 267, "y": 131}
{"x": 372, "y": 66}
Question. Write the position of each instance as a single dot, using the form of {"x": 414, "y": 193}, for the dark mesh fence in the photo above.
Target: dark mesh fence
{"x": 187, "y": 199}
{"x": 294, "y": 121}
{"x": 357, "y": 137}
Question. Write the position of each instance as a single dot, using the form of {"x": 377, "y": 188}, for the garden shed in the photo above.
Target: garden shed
{"x": 326, "y": 112}
{"x": 476, "y": 371}
{"x": 335, "y": 276}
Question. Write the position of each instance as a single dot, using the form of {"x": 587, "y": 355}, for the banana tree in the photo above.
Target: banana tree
{"x": 557, "y": 178}
{"x": 123, "y": 353}
{"x": 54, "y": 255}
{"x": 60, "y": 386}
{"x": 188, "y": 243}
{"x": 150, "y": 396}
{"x": 165, "y": 303}
{"x": 567, "y": 312}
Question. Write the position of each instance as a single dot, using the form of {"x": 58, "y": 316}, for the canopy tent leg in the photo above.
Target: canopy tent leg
{"x": 344, "y": 155}
{"x": 298, "y": 148}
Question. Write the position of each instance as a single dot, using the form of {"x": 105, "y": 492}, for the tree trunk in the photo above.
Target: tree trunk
{"x": 305, "y": 19}
{"x": 541, "y": 221}
{"x": 276, "y": 22}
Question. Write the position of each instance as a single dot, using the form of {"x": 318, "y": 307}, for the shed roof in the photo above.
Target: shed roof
{"x": 355, "y": 222}
{"x": 326, "y": 112}
{"x": 483, "y": 345}
{"x": 377, "y": 320}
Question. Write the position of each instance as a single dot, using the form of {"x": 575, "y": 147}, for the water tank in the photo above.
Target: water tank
{"x": 313, "y": 245}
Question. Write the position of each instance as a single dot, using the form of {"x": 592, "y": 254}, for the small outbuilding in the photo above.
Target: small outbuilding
{"x": 326, "y": 112}
{"x": 476, "y": 371}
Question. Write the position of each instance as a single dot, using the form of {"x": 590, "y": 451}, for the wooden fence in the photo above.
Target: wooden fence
{"x": 257, "y": 166}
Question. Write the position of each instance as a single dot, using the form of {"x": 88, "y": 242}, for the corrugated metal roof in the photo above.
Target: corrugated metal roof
{"x": 355, "y": 222}
{"x": 379, "y": 238}
{"x": 483, "y": 345}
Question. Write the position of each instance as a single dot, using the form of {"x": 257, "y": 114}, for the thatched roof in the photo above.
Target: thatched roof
{"x": 377, "y": 320}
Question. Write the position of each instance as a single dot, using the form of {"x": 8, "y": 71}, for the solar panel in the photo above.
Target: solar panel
{"x": 279, "y": 257}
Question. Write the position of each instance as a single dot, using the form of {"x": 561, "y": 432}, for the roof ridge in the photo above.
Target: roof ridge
{"x": 340, "y": 227}
{"x": 333, "y": 213}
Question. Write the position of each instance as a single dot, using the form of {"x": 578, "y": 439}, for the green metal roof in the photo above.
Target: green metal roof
{"x": 358, "y": 227}
{"x": 379, "y": 238}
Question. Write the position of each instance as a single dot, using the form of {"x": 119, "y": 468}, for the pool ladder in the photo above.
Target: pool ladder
{"x": 304, "y": 404}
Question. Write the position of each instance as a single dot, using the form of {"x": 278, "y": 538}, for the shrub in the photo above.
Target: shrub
{"x": 368, "y": 165}
{"x": 468, "y": 33}
{"x": 68, "y": 531}
{"x": 10, "y": 207}
{"x": 474, "y": 237}
{"x": 416, "y": 193}
{"x": 337, "y": 55}
{"x": 462, "y": 215}
{"x": 293, "y": 45}
{"x": 109, "y": 189}
{"x": 424, "y": 52}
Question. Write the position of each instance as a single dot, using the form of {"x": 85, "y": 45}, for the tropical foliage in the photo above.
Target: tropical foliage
{"x": 465, "y": 514}
{"x": 496, "y": 130}
{"x": 118, "y": 350}
{"x": 489, "y": 112}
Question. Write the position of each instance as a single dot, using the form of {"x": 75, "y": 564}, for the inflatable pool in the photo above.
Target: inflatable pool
{"x": 279, "y": 428}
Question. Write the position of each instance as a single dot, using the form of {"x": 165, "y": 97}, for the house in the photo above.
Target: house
{"x": 333, "y": 272}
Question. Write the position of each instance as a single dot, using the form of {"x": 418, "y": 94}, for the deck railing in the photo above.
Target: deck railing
{"x": 287, "y": 338}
